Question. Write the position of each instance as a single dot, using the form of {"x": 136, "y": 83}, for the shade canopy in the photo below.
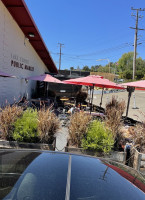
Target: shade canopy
{"x": 130, "y": 88}
{"x": 137, "y": 84}
{"x": 93, "y": 80}
{"x": 45, "y": 78}
{"x": 3, "y": 74}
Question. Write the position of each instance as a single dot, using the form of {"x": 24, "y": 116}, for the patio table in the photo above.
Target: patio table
{"x": 63, "y": 99}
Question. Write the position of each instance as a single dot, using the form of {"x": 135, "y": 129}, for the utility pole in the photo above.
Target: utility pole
{"x": 135, "y": 38}
{"x": 60, "y": 55}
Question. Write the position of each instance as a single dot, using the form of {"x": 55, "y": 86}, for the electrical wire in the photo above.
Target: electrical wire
{"x": 79, "y": 57}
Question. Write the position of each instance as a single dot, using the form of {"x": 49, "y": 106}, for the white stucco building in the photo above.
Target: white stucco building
{"x": 22, "y": 50}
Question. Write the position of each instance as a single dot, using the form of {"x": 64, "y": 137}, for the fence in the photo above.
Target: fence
{"x": 109, "y": 76}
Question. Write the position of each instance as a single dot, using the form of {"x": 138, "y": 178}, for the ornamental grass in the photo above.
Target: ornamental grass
{"x": 48, "y": 124}
{"x": 79, "y": 122}
{"x": 114, "y": 111}
{"x": 138, "y": 135}
{"x": 8, "y": 116}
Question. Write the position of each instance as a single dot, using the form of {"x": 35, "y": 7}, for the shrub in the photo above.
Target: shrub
{"x": 26, "y": 127}
{"x": 114, "y": 111}
{"x": 8, "y": 116}
{"x": 98, "y": 138}
{"x": 48, "y": 124}
{"x": 79, "y": 122}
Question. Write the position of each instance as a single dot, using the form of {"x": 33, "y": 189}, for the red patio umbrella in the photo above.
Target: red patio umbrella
{"x": 131, "y": 87}
{"x": 45, "y": 78}
{"x": 94, "y": 80}
{"x": 136, "y": 84}
{"x": 3, "y": 74}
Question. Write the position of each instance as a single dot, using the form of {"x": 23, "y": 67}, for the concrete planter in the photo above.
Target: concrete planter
{"x": 115, "y": 155}
{"x": 21, "y": 145}
{"x": 82, "y": 151}
{"x": 138, "y": 160}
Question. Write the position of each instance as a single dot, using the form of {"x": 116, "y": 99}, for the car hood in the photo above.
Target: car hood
{"x": 27, "y": 174}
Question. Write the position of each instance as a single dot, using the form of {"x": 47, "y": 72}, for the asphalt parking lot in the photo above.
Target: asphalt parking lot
{"x": 137, "y": 103}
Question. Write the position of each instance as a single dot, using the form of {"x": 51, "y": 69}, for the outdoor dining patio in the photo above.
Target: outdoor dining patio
{"x": 64, "y": 104}
{"x": 81, "y": 101}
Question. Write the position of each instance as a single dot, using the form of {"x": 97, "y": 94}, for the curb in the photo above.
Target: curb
{"x": 21, "y": 145}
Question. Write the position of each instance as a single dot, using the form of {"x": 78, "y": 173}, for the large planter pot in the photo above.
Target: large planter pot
{"x": 115, "y": 155}
{"x": 22, "y": 145}
{"x": 138, "y": 160}
{"x": 83, "y": 151}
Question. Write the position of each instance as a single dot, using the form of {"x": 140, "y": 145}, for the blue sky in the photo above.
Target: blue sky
{"x": 89, "y": 29}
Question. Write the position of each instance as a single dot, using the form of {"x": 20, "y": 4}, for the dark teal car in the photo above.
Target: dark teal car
{"x": 44, "y": 175}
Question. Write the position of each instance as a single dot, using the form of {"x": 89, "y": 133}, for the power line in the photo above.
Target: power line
{"x": 135, "y": 38}
{"x": 80, "y": 57}
{"x": 103, "y": 51}
{"x": 121, "y": 46}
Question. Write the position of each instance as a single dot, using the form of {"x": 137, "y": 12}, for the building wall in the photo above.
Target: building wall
{"x": 17, "y": 57}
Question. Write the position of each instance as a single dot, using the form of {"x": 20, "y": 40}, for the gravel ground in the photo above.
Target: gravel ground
{"x": 139, "y": 102}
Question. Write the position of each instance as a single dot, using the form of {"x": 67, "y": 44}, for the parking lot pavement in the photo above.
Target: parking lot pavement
{"x": 137, "y": 99}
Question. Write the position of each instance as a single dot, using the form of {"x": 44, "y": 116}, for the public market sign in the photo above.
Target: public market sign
{"x": 20, "y": 62}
